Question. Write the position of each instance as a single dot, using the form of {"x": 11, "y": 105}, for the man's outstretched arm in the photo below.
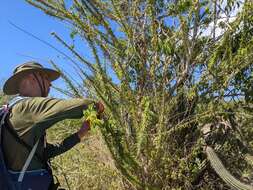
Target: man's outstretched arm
{"x": 53, "y": 150}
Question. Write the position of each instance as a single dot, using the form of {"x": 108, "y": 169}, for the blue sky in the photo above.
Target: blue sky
{"x": 17, "y": 47}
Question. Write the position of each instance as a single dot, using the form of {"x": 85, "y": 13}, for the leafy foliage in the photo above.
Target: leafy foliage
{"x": 90, "y": 115}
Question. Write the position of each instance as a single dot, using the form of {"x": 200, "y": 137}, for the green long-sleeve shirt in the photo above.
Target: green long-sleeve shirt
{"x": 30, "y": 118}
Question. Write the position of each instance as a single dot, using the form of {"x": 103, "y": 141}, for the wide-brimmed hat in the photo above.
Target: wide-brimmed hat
{"x": 11, "y": 86}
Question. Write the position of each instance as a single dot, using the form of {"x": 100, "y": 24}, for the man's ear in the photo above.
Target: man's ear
{"x": 27, "y": 81}
{"x": 30, "y": 77}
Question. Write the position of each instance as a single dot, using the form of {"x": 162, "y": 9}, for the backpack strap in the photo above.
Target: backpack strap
{"x": 28, "y": 161}
{"x": 5, "y": 111}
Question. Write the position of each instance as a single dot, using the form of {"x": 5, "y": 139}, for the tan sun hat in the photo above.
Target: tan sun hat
{"x": 11, "y": 86}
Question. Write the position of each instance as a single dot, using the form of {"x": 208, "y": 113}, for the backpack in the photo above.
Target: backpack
{"x": 24, "y": 180}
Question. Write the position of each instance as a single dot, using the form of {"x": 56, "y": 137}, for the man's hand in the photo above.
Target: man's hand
{"x": 100, "y": 108}
{"x": 84, "y": 129}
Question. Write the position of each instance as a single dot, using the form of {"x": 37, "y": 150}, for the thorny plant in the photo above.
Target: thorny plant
{"x": 158, "y": 65}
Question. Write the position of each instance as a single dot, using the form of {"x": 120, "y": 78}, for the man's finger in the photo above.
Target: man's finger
{"x": 100, "y": 107}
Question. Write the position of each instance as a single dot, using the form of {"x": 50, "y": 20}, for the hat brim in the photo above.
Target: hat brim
{"x": 11, "y": 86}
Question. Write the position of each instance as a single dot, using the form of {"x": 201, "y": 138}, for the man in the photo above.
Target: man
{"x": 33, "y": 115}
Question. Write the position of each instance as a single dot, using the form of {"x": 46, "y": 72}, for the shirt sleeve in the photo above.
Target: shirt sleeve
{"x": 53, "y": 150}
{"x": 48, "y": 111}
